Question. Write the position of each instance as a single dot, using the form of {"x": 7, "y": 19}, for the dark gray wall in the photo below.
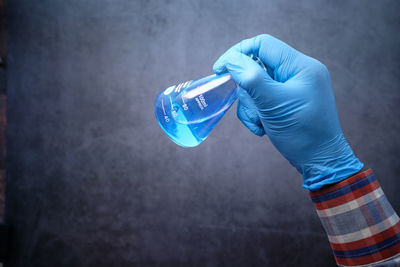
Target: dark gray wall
{"x": 92, "y": 180}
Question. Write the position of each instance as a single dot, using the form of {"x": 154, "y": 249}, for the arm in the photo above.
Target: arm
{"x": 293, "y": 104}
{"x": 360, "y": 223}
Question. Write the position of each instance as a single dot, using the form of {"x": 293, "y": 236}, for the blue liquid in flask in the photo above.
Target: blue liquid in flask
{"x": 189, "y": 111}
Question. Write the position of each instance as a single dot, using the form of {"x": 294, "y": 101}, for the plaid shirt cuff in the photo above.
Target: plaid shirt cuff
{"x": 361, "y": 225}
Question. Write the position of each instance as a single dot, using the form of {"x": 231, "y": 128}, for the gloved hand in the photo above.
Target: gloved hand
{"x": 293, "y": 103}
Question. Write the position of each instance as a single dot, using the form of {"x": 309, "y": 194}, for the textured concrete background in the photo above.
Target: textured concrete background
{"x": 92, "y": 180}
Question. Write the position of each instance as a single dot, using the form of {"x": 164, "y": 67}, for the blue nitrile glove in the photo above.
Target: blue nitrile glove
{"x": 293, "y": 103}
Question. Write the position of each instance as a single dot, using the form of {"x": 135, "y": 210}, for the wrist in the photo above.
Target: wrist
{"x": 331, "y": 165}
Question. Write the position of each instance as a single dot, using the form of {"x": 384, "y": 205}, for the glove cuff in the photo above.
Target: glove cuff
{"x": 317, "y": 176}
{"x": 330, "y": 165}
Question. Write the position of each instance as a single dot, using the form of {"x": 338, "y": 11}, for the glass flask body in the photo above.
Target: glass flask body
{"x": 187, "y": 112}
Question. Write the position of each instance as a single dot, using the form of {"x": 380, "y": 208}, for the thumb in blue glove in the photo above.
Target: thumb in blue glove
{"x": 293, "y": 103}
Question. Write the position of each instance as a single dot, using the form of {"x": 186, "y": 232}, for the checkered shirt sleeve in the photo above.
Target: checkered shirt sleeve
{"x": 362, "y": 227}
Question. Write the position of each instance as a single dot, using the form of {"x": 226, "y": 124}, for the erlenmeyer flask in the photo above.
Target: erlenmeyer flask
{"x": 187, "y": 112}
